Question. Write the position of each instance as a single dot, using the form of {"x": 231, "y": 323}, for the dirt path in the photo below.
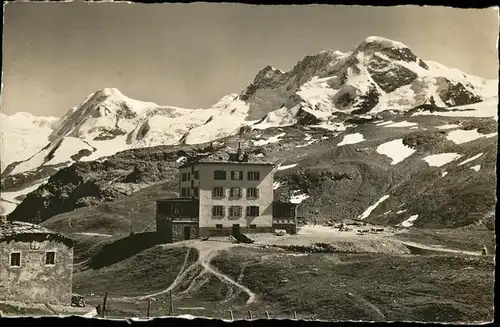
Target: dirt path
{"x": 207, "y": 250}
{"x": 439, "y": 249}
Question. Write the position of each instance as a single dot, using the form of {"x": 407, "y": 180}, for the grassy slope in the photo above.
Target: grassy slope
{"x": 114, "y": 217}
{"x": 148, "y": 271}
{"x": 419, "y": 288}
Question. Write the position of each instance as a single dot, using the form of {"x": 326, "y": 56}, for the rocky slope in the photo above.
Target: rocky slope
{"x": 329, "y": 93}
{"x": 416, "y": 170}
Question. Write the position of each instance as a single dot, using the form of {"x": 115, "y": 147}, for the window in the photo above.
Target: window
{"x": 185, "y": 192}
{"x": 196, "y": 191}
{"x": 237, "y": 175}
{"x": 217, "y": 192}
{"x": 218, "y": 211}
{"x": 252, "y": 193}
{"x": 189, "y": 176}
{"x": 253, "y": 226}
{"x": 15, "y": 259}
{"x": 235, "y": 192}
{"x": 235, "y": 211}
{"x": 184, "y": 177}
{"x": 252, "y": 211}
{"x": 196, "y": 174}
{"x": 50, "y": 258}
{"x": 253, "y": 175}
{"x": 220, "y": 175}
{"x": 218, "y": 226}
{"x": 176, "y": 210}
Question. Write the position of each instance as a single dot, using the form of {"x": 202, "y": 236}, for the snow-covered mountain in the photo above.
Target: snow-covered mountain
{"x": 22, "y": 134}
{"x": 322, "y": 90}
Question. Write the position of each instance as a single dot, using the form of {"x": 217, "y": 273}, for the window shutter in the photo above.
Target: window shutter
{"x": 240, "y": 177}
{"x": 256, "y": 192}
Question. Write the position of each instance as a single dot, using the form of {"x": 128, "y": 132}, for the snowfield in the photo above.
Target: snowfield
{"x": 352, "y": 139}
{"x": 395, "y": 150}
{"x": 22, "y": 135}
{"x": 441, "y": 159}
{"x": 9, "y": 201}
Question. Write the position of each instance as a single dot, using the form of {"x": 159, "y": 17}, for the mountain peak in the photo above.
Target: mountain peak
{"x": 111, "y": 91}
{"x": 381, "y": 42}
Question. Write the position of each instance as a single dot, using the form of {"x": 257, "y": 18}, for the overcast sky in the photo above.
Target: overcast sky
{"x": 191, "y": 55}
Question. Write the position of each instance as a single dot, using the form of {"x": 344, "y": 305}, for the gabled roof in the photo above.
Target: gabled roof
{"x": 16, "y": 229}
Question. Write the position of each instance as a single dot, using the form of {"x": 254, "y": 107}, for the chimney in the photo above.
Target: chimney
{"x": 238, "y": 153}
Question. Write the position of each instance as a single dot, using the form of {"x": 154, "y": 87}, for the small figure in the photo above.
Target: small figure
{"x": 485, "y": 250}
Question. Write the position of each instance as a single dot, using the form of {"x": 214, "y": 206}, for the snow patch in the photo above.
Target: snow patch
{"x": 272, "y": 139}
{"x": 402, "y": 124}
{"x": 276, "y": 185}
{"x": 448, "y": 126}
{"x": 94, "y": 234}
{"x": 476, "y": 167}
{"x": 471, "y": 159}
{"x": 409, "y": 222}
{"x": 444, "y": 173}
{"x": 400, "y": 211}
{"x": 297, "y": 197}
{"x": 395, "y": 150}
{"x": 306, "y": 144}
{"x": 369, "y": 210}
{"x": 385, "y": 123}
{"x": 286, "y": 167}
{"x": 441, "y": 159}
{"x": 463, "y": 136}
{"x": 334, "y": 127}
{"x": 352, "y": 139}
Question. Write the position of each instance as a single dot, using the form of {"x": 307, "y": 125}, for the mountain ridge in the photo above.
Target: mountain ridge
{"x": 330, "y": 90}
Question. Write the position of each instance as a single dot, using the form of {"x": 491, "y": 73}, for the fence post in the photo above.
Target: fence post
{"x": 231, "y": 315}
{"x": 294, "y": 315}
{"x": 104, "y": 305}
{"x": 149, "y": 307}
{"x": 267, "y": 315}
{"x": 171, "y": 309}
{"x": 250, "y": 314}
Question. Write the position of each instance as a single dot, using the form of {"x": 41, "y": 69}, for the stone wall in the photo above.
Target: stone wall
{"x": 34, "y": 281}
{"x": 178, "y": 230}
{"x": 227, "y": 231}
